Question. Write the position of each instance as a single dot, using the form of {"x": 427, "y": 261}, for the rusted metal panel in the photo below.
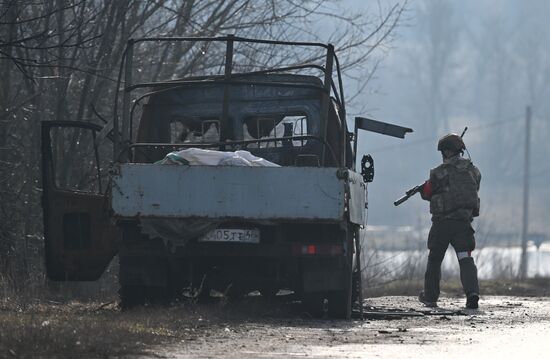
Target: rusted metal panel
{"x": 80, "y": 238}
{"x": 357, "y": 200}
{"x": 259, "y": 193}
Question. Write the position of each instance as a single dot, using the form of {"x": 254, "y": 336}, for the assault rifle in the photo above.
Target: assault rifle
{"x": 408, "y": 194}
{"x": 417, "y": 189}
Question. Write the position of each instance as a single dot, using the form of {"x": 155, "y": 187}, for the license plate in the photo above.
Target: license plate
{"x": 232, "y": 235}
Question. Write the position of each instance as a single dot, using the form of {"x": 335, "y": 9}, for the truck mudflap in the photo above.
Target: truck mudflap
{"x": 314, "y": 194}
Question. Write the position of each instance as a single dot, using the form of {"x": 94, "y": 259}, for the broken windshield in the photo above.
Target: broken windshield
{"x": 195, "y": 130}
{"x": 277, "y": 126}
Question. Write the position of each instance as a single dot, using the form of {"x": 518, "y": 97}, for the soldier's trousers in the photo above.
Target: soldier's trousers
{"x": 460, "y": 235}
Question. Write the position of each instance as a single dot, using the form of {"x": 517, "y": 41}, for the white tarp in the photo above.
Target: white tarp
{"x": 175, "y": 231}
{"x": 201, "y": 157}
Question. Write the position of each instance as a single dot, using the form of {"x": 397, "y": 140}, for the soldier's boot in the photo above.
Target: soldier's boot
{"x": 426, "y": 302}
{"x": 430, "y": 294}
{"x": 472, "y": 301}
{"x": 468, "y": 277}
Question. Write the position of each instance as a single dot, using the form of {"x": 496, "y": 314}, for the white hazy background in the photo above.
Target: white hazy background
{"x": 475, "y": 63}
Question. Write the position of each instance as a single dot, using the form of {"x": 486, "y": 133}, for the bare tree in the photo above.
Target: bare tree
{"x": 433, "y": 60}
{"x": 59, "y": 60}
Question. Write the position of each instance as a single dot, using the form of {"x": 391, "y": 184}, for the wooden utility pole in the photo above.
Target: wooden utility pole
{"x": 525, "y": 221}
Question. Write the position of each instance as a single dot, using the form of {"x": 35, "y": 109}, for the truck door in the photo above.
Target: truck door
{"x": 80, "y": 239}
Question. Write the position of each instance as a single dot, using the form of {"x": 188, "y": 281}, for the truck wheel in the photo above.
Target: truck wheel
{"x": 143, "y": 273}
{"x": 178, "y": 280}
{"x": 340, "y": 301}
{"x": 339, "y": 304}
{"x": 131, "y": 296}
{"x": 132, "y": 292}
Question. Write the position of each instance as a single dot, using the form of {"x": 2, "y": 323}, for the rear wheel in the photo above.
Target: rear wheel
{"x": 143, "y": 270}
{"x": 340, "y": 301}
{"x": 137, "y": 295}
{"x": 339, "y": 304}
{"x": 131, "y": 296}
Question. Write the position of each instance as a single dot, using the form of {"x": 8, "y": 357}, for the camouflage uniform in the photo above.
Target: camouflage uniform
{"x": 453, "y": 194}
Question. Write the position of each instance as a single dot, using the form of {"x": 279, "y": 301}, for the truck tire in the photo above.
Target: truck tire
{"x": 339, "y": 304}
{"x": 140, "y": 261}
{"x": 340, "y": 301}
{"x": 132, "y": 296}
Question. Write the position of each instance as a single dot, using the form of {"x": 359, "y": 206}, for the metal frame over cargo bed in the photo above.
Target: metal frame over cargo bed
{"x": 122, "y": 132}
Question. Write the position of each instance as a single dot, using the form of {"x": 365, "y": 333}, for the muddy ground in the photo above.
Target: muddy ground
{"x": 504, "y": 327}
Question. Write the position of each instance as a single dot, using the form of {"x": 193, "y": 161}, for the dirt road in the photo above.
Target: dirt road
{"x": 504, "y": 327}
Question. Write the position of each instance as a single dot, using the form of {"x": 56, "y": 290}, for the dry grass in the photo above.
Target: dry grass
{"x": 93, "y": 330}
{"x": 88, "y": 330}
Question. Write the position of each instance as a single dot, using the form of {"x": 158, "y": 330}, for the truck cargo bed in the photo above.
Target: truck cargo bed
{"x": 250, "y": 193}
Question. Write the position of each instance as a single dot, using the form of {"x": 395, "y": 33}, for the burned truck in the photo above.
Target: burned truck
{"x": 197, "y": 228}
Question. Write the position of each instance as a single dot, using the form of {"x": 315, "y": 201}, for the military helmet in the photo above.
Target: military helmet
{"x": 452, "y": 142}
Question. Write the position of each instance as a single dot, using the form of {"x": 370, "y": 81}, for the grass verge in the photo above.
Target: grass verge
{"x": 93, "y": 330}
{"x": 88, "y": 330}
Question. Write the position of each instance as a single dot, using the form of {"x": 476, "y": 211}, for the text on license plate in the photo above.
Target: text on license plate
{"x": 232, "y": 235}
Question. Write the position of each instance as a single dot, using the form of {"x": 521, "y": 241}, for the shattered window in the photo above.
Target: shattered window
{"x": 275, "y": 127}
{"x": 195, "y": 130}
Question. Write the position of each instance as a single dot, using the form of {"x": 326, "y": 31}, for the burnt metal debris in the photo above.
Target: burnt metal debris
{"x": 388, "y": 313}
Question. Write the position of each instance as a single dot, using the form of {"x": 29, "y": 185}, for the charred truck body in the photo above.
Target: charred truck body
{"x": 228, "y": 228}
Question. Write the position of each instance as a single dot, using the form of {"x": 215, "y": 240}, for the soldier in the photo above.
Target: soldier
{"x": 453, "y": 194}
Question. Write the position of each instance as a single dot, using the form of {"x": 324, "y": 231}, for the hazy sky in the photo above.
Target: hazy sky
{"x": 497, "y": 60}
